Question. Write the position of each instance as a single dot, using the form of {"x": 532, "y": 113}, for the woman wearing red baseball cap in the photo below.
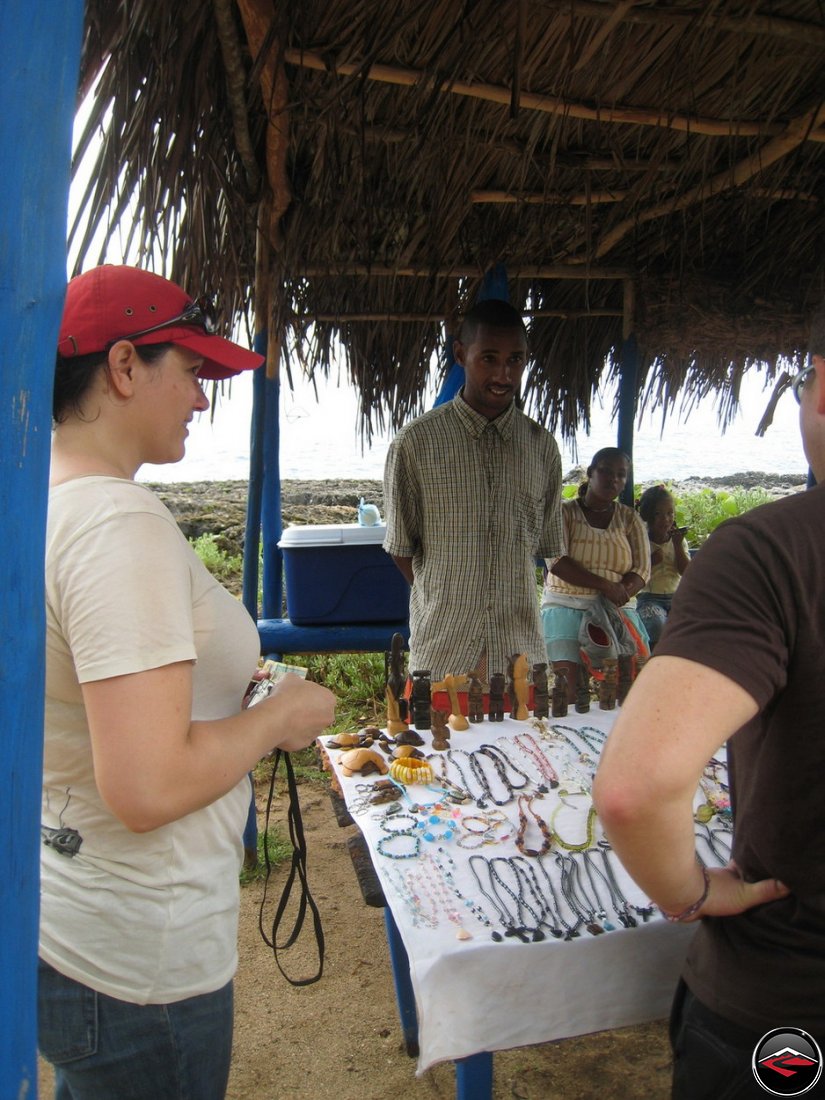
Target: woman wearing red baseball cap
{"x": 145, "y": 789}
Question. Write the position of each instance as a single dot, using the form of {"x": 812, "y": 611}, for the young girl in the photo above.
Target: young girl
{"x": 668, "y": 557}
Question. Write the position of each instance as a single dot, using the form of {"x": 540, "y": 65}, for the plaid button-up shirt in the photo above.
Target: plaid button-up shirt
{"x": 473, "y": 502}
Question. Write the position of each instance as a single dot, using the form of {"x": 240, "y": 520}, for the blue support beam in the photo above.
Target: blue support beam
{"x": 38, "y": 82}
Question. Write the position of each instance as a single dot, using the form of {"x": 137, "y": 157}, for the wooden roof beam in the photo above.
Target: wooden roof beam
{"x": 538, "y": 198}
{"x": 387, "y": 271}
{"x": 792, "y": 136}
{"x": 554, "y": 105}
{"x": 355, "y": 318}
{"x": 808, "y": 34}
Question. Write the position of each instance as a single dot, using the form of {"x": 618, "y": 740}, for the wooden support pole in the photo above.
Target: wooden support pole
{"x": 628, "y": 376}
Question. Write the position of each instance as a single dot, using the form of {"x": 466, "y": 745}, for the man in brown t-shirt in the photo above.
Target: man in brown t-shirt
{"x": 742, "y": 660}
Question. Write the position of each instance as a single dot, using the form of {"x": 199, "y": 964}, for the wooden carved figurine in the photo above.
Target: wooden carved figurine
{"x": 395, "y": 723}
{"x": 559, "y": 701}
{"x": 625, "y": 679}
{"x": 582, "y": 689}
{"x": 495, "y": 711}
{"x": 519, "y": 693}
{"x": 607, "y": 688}
{"x": 441, "y": 732}
{"x": 541, "y": 692}
{"x": 394, "y": 669}
{"x": 452, "y": 685}
{"x": 421, "y": 699}
{"x": 475, "y": 697}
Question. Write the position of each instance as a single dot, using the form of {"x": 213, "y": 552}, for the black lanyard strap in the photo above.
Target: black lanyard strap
{"x": 298, "y": 867}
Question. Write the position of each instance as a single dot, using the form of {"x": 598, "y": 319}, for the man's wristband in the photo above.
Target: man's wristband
{"x": 691, "y": 910}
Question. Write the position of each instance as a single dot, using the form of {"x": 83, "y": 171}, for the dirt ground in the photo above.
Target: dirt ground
{"x": 341, "y": 1039}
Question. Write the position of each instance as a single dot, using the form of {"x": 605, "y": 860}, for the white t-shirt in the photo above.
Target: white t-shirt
{"x": 151, "y": 917}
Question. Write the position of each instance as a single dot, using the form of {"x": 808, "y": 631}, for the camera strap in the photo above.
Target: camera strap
{"x": 298, "y": 869}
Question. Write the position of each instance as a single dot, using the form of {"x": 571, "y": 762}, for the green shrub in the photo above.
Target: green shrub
{"x": 703, "y": 511}
{"x": 220, "y": 564}
{"x": 278, "y": 849}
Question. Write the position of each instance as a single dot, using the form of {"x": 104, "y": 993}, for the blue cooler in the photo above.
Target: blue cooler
{"x": 340, "y": 573}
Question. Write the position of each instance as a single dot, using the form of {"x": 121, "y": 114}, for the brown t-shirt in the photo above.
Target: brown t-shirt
{"x": 752, "y": 606}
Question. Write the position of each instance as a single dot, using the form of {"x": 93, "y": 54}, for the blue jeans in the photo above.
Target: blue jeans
{"x": 106, "y": 1049}
{"x": 653, "y": 611}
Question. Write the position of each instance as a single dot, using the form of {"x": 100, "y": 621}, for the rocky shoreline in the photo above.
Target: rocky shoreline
{"x": 219, "y": 507}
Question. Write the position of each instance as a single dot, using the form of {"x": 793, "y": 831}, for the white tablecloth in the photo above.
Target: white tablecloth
{"x": 478, "y": 995}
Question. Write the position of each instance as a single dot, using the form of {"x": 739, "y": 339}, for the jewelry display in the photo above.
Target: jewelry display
{"x": 523, "y": 822}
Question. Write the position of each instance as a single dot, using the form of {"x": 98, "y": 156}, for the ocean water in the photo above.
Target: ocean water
{"x": 319, "y": 439}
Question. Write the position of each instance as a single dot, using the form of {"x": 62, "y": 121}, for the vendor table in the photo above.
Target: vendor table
{"x": 476, "y": 989}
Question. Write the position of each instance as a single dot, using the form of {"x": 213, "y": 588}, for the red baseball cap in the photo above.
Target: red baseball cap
{"x": 117, "y": 302}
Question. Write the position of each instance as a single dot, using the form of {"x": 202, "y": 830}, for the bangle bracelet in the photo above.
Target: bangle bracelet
{"x": 691, "y": 910}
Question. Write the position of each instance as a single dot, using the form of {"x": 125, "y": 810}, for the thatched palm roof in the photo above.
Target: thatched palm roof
{"x": 357, "y": 166}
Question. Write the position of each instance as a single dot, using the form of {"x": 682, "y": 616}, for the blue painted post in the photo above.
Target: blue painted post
{"x": 628, "y": 380}
{"x": 254, "y": 503}
{"x": 271, "y": 518}
{"x": 38, "y": 80}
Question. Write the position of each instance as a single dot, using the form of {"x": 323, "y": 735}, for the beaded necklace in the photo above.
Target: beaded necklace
{"x": 502, "y": 913}
{"x": 543, "y": 827}
{"x": 530, "y": 748}
{"x": 404, "y": 884}
{"x": 521, "y": 930}
{"x": 620, "y": 903}
{"x": 571, "y": 931}
{"x": 395, "y": 826}
{"x": 567, "y": 865}
{"x": 444, "y": 865}
{"x": 590, "y": 828}
{"x": 483, "y": 829}
{"x": 480, "y": 775}
{"x": 524, "y": 869}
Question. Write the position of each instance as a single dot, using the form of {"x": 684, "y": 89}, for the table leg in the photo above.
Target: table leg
{"x": 403, "y": 985}
{"x": 474, "y": 1077}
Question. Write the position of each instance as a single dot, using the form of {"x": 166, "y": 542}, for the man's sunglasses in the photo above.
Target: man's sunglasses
{"x": 200, "y": 314}
{"x": 800, "y": 380}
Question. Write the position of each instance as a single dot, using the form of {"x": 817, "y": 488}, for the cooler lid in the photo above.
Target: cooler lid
{"x": 331, "y": 534}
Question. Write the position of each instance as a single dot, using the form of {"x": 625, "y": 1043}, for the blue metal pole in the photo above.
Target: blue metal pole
{"x": 38, "y": 81}
{"x": 252, "y": 535}
{"x": 271, "y": 518}
{"x": 628, "y": 374}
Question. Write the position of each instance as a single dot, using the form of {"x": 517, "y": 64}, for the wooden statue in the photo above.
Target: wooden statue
{"x": 495, "y": 710}
{"x": 519, "y": 693}
{"x": 582, "y": 689}
{"x": 541, "y": 692}
{"x": 452, "y": 685}
{"x": 395, "y": 723}
{"x": 607, "y": 688}
{"x": 559, "y": 701}
{"x": 625, "y": 679}
{"x": 475, "y": 697}
{"x": 441, "y": 732}
{"x": 421, "y": 699}
{"x": 396, "y": 679}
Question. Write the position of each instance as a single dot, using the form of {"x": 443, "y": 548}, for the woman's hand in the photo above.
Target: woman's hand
{"x": 655, "y": 555}
{"x": 729, "y": 894}
{"x": 299, "y": 711}
{"x": 616, "y": 592}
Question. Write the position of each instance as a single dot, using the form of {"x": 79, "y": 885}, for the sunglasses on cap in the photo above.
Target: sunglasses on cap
{"x": 199, "y": 314}
{"x": 799, "y": 381}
